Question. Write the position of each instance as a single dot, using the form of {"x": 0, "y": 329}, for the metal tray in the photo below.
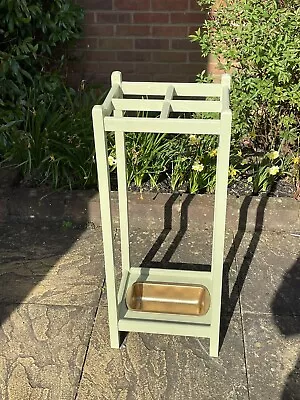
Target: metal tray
{"x": 169, "y": 298}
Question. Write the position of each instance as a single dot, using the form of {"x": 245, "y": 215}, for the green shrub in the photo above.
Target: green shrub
{"x": 30, "y": 32}
{"x": 259, "y": 44}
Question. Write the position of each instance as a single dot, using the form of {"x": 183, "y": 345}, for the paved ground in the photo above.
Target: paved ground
{"x": 54, "y": 335}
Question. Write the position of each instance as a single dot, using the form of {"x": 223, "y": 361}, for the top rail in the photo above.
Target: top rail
{"x": 181, "y": 89}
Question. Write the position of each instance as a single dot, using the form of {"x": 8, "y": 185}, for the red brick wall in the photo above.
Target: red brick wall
{"x": 145, "y": 39}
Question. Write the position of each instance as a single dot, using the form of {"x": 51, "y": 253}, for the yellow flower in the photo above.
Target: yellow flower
{"x": 111, "y": 161}
{"x": 52, "y": 158}
{"x": 239, "y": 153}
{"x": 273, "y": 155}
{"x": 194, "y": 139}
{"x": 198, "y": 167}
{"x": 296, "y": 160}
{"x": 233, "y": 172}
{"x": 213, "y": 153}
{"x": 250, "y": 179}
{"x": 274, "y": 170}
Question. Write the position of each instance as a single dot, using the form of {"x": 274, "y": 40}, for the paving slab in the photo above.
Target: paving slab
{"x": 272, "y": 358}
{"x": 50, "y": 285}
{"x": 269, "y": 273}
{"x": 50, "y": 266}
{"x": 162, "y": 367}
{"x": 42, "y": 349}
{"x": 25, "y": 241}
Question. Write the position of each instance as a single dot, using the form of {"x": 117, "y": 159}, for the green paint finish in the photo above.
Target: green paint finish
{"x": 109, "y": 117}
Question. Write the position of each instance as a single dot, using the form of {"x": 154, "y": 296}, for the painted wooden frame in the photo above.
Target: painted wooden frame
{"x": 110, "y": 117}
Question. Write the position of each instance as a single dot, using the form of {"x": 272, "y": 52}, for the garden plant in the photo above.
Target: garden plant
{"x": 46, "y": 129}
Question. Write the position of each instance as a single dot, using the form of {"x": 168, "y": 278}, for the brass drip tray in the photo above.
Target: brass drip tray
{"x": 169, "y": 298}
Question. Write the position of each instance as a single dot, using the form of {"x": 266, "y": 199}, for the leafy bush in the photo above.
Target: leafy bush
{"x": 258, "y": 42}
{"x": 30, "y": 32}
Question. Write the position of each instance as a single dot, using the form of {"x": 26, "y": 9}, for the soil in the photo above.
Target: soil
{"x": 281, "y": 188}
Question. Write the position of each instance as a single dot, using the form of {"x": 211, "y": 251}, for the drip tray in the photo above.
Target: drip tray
{"x": 169, "y": 298}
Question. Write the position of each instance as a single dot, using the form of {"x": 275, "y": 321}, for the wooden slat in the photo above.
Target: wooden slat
{"x": 181, "y": 89}
{"x": 176, "y": 105}
{"x": 167, "y": 328}
{"x": 225, "y": 99}
{"x": 107, "y": 105}
{"x": 155, "y": 125}
{"x": 166, "y": 108}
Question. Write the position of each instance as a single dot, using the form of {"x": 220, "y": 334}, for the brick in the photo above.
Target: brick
{"x": 139, "y": 56}
{"x": 132, "y": 4}
{"x": 98, "y": 30}
{"x": 109, "y": 67}
{"x": 87, "y": 43}
{"x": 139, "y": 77}
{"x": 150, "y": 18}
{"x": 173, "y": 78}
{"x": 194, "y": 6}
{"x": 170, "y": 5}
{"x": 115, "y": 44}
{"x": 152, "y": 68}
{"x": 212, "y": 68}
{"x": 169, "y": 31}
{"x": 188, "y": 18}
{"x": 191, "y": 29}
{"x": 189, "y": 69}
{"x": 91, "y": 67}
{"x": 133, "y": 30}
{"x": 102, "y": 78}
{"x": 184, "y": 44}
{"x": 125, "y": 18}
{"x": 168, "y": 56}
{"x": 96, "y": 4}
{"x": 89, "y": 18}
{"x": 99, "y": 55}
{"x": 195, "y": 57}
{"x": 107, "y": 18}
{"x": 114, "y": 18}
{"x": 151, "y": 44}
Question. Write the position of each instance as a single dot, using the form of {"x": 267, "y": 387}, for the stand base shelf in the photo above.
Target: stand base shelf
{"x": 175, "y": 324}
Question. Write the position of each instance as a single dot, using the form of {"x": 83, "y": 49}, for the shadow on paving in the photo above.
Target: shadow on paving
{"x": 229, "y": 300}
{"x": 288, "y": 293}
{"x": 36, "y": 264}
{"x": 168, "y": 226}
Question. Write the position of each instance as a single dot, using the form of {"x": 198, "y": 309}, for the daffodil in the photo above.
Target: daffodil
{"x": 296, "y": 160}
{"x": 233, "y": 172}
{"x": 213, "y": 153}
{"x": 111, "y": 161}
{"x": 198, "y": 167}
{"x": 194, "y": 139}
{"x": 272, "y": 155}
{"x": 274, "y": 170}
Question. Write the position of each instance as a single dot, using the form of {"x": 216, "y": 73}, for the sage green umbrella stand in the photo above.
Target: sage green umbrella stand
{"x": 163, "y": 301}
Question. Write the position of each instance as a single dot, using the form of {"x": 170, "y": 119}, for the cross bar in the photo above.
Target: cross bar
{"x": 166, "y": 125}
{"x": 176, "y": 105}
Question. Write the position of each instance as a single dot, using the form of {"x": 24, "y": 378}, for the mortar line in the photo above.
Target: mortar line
{"x": 88, "y": 344}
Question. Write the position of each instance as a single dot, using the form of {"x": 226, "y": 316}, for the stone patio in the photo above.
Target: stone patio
{"x": 54, "y": 340}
